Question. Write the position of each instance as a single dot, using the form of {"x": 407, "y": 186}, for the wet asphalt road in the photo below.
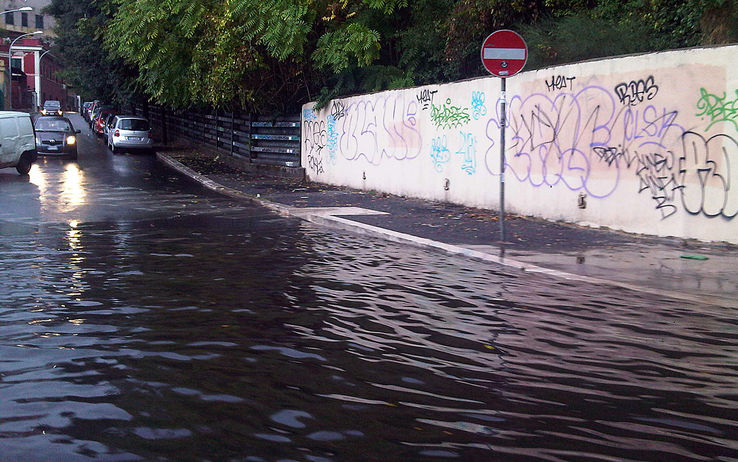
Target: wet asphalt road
{"x": 143, "y": 318}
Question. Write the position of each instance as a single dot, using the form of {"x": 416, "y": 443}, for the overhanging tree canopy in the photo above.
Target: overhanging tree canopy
{"x": 273, "y": 55}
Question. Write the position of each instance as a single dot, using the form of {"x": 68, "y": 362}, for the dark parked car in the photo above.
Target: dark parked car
{"x": 52, "y": 107}
{"x": 56, "y": 136}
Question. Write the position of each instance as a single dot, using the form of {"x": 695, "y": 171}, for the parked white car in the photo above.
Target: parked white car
{"x": 17, "y": 141}
{"x": 127, "y": 132}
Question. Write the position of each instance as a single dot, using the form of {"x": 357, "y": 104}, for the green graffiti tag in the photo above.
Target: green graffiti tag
{"x": 718, "y": 109}
{"x": 449, "y": 116}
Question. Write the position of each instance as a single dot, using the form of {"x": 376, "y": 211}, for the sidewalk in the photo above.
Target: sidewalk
{"x": 659, "y": 266}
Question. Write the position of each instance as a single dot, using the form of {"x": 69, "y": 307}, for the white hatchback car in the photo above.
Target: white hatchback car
{"x": 128, "y": 132}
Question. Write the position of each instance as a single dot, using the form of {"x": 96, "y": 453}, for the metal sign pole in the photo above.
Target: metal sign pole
{"x": 503, "y": 122}
{"x": 504, "y": 54}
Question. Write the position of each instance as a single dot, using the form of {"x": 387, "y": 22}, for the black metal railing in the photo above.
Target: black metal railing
{"x": 258, "y": 139}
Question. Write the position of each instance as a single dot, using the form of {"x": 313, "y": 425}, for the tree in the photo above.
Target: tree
{"x": 87, "y": 66}
{"x": 274, "y": 55}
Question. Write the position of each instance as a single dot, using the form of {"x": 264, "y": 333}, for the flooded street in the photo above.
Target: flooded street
{"x": 143, "y": 318}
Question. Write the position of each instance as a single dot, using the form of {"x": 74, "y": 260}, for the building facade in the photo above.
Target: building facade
{"x": 34, "y": 68}
{"x": 27, "y": 21}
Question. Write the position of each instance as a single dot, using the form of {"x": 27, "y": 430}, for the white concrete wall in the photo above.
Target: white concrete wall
{"x": 650, "y": 141}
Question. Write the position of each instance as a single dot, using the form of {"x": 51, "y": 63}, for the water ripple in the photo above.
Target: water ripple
{"x": 287, "y": 342}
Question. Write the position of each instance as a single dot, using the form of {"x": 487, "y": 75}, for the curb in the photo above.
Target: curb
{"x": 394, "y": 236}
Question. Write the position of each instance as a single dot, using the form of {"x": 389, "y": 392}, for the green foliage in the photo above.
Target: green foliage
{"x": 580, "y": 37}
{"x": 338, "y": 50}
{"x": 274, "y": 55}
{"x": 87, "y": 66}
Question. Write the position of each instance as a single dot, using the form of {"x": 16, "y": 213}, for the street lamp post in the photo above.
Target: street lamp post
{"x": 10, "y": 62}
{"x": 39, "y": 76}
{"x": 25, "y": 8}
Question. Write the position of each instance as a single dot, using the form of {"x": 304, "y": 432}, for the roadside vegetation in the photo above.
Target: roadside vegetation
{"x": 271, "y": 56}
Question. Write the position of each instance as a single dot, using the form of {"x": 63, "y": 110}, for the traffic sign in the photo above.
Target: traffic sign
{"x": 504, "y": 53}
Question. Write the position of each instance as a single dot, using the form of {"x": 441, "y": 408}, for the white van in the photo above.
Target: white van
{"x": 17, "y": 141}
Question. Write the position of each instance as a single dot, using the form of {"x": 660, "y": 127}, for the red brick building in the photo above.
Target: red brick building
{"x": 35, "y": 78}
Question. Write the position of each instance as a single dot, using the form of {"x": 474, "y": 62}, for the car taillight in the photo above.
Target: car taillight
{"x": 117, "y": 133}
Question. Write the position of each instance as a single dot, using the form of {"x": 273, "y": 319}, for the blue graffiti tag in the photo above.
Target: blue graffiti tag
{"x": 332, "y": 139}
{"x": 439, "y": 153}
{"x": 309, "y": 114}
{"x": 477, "y": 103}
{"x": 468, "y": 151}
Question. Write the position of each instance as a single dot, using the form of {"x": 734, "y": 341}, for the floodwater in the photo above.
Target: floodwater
{"x": 144, "y": 319}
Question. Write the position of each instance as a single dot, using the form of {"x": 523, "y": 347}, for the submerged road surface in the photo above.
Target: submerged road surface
{"x": 143, "y": 318}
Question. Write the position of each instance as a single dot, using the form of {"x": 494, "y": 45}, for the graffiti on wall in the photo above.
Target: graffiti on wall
{"x": 717, "y": 108}
{"x": 479, "y": 110}
{"x": 440, "y": 155}
{"x": 559, "y": 82}
{"x": 314, "y": 139}
{"x": 562, "y": 141}
{"x": 449, "y": 116}
{"x": 466, "y": 152}
{"x": 636, "y": 91}
{"x": 706, "y": 167}
{"x": 596, "y": 139}
{"x": 425, "y": 98}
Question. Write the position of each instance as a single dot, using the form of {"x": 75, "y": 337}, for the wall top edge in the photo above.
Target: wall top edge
{"x": 310, "y": 104}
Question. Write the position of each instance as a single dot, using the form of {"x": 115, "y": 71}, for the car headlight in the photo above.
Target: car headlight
{"x": 38, "y": 141}
{"x": 71, "y": 139}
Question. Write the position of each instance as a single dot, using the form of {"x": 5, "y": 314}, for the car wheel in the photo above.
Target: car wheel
{"x": 24, "y": 164}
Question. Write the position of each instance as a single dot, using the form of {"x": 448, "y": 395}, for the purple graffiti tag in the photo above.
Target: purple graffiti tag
{"x": 587, "y": 141}
{"x": 378, "y": 128}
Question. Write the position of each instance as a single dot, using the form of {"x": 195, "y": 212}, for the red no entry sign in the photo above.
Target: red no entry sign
{"x": 504, "y": 53}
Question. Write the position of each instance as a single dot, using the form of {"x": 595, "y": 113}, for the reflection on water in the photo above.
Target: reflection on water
{"x": 250, "y": 337}
{"x": 62, "y": 195}
{"x": 72, "y": 194}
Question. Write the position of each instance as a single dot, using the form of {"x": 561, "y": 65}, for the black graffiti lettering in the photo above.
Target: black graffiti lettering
{"x": 559, "y": 82}
{"x": 705, "y": 170}
{"x": 661, "y": 193}
{"x": 655, "y": 174}
{"x": 636, "y": 91}
{"x": 315, "y": 164}
{"x": 654, "y": 169}
{"x": 315, "y": 139}
{"x": 608, "y": 154}
{"x": 425, "y": 98}
{"x": 338, "y": 110}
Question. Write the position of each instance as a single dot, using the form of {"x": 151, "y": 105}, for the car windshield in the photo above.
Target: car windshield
{"x": 52, "y": 104}
{"x": 133, "y": 124}
{"x": 60, "y": 125}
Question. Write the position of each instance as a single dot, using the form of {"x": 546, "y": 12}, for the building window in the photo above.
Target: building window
{"x": 39, "y": 21}
{"x": 17, "y": 63}
{"x": 10, "y": 18}
{"x": 24, "y": 19}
